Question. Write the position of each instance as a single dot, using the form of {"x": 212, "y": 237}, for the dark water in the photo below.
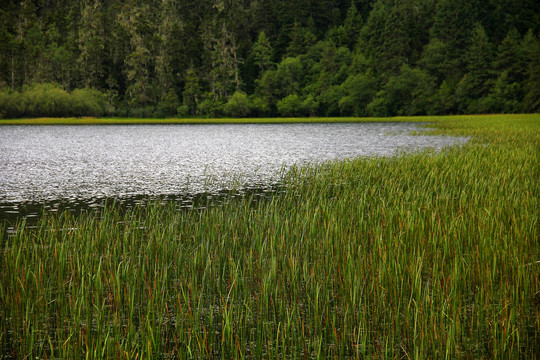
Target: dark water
{"x": 81, "y": 166}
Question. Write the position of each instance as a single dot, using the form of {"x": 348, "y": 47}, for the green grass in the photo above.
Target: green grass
{"x": 427, "y": 255}
{"x": 127, "y": 121}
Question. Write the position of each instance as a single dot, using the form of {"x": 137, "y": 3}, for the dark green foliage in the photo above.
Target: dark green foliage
{"x": 296, "y": 106}
{"x": 478, "y": 80}
{"x": 262, "y": 52}
{"x": 91, "y": 45}
{"x": 168, "y": 104}
{"x": 209, "y": 106}
{"x": 510, "y": 57}
{"x": 532, "y": 83}
{"x": 301, "y": 40}
{"x": 358, "y": 92}
{"x": 504, "y": 95}
{"x": 444, "y": 100}
{"x": 348, "y": 33}
{"x": 191, "y": 92}
{"x": 238, "y": 105}
{"x": 53, "y": 101}
{"x": 469, "y": 55}
{"x": 409, "y": 93}
{"x": 394, "y": 34}
{"x": 259, "y": 107}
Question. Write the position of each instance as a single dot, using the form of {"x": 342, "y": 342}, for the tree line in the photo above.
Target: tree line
{"x": 148, "y": 58}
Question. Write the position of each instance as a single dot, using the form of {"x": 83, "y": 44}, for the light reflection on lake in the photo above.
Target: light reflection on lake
{"x": 80, "y": 163}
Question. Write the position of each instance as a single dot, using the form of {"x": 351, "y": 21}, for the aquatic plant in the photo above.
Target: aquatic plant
{"x": 426, "y": 255}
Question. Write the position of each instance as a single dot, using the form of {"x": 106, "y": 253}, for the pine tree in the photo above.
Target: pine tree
{"x": 301, "y": 39}
{"x": 29, "y": 42}
{"x": 262, "y": 52}
{"x": 170, "y": 61}
{"x": 453, "y": 21}
{"x": 532, "y": 83}
{"x": 352, "y": 26}
{"x": 478, "y": 80}
{"x": 139, "y": 63}
{"x": 9, "y": 45}
{"x": 509, "y": 57}
{"x": 91, "y": 45}
{"x": 222, "y": 52}
{"x": 192, "y": 91}
{"x": 395, "y": 33}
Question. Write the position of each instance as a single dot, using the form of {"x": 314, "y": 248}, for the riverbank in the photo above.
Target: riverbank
{"x": 429, "y": 255}
{"x": 135, "y": 121}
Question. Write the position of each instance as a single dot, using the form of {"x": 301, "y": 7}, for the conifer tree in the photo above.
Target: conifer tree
{"x": 139, "y": 52}
{"x": 262, "y": 52}
{"x": 510, "y": 58}
{"x": 477, "y": 82}
{"x": 532, "y": 83}
{"x": 91, "y": 45}
{"x": 192, "y": 91}
{"x": 139, "y": 63}
{"x": 301, "y": 39}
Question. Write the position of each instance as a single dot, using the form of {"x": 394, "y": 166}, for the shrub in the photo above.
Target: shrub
{"x": 52, "y": 100}
{"x": 290, "y": 106}
{"x": 89, "y": 102}
{"x": 259, "y": 106}
{"x": 238, "y": 105}
{"x": 168, "y": 104}
{"x": 8, "y": 103}
{"x": 310, "y": 106}
{"x": 182, "y": 110}
{"x": 294, "y": 105}
{"x": 210, "y": 107}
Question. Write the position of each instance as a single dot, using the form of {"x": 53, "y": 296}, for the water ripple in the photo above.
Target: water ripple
{"x": 40, "y": 164}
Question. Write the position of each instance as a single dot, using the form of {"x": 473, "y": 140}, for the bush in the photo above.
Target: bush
{"x": 52, "y": 100}
{"x": 259, "y": 107}
{"x": 238, "y": 105}
{"x": 168, "y": 104}
{"x": 294, "y": 105}
{"x": 359, "y": 91}
{"x": 310, "y": 106}
{"x": 290, "y": 106}
{"x": 46, "y": 100}
{"x": 8, "y": 103}
{"x": 408, "y": 94}
{"x": 210, "y": 107}
{"x": 329, "y": 101}
{"x": 182, "y": 110}
{"x": 90, "y": 102}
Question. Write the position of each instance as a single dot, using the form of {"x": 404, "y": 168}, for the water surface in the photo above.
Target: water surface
{"x": 86, "y": 164}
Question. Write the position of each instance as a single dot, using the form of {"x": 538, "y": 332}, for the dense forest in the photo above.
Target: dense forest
{"x": 268, "y": 57}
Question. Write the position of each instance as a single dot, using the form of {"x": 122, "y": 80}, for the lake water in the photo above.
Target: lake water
{"x": 82, "y": 165}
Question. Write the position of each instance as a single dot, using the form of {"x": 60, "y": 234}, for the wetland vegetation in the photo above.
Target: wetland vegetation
{"x": 424, "y": 255}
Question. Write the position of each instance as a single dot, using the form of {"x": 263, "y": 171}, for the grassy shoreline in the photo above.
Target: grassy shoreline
{"x": 189, "y": 121}
{"x": 425, "y": 255}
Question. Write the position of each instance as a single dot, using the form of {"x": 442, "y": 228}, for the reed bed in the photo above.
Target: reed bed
{"x": 191, "y": 121}
{"x": 425, "y": 255}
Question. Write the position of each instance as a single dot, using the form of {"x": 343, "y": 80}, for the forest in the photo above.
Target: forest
{"x": 266, "y": 58}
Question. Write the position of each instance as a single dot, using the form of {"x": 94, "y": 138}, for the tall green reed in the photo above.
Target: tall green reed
{"x": 425, "y": 255}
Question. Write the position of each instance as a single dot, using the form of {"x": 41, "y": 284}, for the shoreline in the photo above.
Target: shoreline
{"x": 213, "y": 121}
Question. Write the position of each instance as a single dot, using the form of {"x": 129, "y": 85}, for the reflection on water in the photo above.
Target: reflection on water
{"x": 78, "y": 167}
{"x": 32, "y": 210}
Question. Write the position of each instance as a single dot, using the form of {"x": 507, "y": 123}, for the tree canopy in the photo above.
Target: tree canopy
{"x": 269, "y": 57}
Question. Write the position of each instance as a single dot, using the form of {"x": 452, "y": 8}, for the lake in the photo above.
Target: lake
{"x": 80, "y": 166}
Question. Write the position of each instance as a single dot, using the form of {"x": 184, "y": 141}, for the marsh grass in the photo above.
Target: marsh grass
{"x": 192, "y": 121}
{"x": 427, "y": 255}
